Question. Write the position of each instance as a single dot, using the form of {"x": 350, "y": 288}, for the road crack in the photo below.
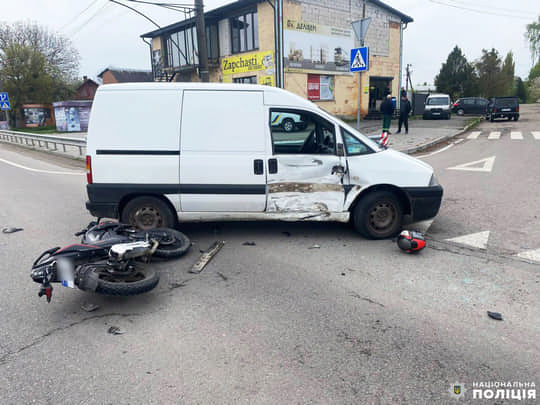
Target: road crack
{"x": 8, "y": 356}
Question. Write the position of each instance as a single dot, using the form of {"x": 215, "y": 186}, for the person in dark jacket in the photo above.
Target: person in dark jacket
{"x": 387, "y": 108}
{"x": 404, "y": 110}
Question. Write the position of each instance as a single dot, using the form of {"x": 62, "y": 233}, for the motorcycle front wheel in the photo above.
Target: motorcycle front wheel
{"x": 103, "y": 279}
{"x": 172, "y": 243}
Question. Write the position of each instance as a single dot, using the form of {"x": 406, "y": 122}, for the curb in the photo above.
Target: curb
{"x": 430, "y": 144}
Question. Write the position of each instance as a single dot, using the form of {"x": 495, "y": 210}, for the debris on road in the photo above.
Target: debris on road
{"x": 249, "y": 243}
{"x": 223, "y": 276}
{"x": 11, "y": 229}
{"x": 115, "y": 330}
{"x": 495, "y": 315}
{"x": 411, "y": 241}
{"x": 207, "y": 256}
{"x": 315, "y": 247}
{"x": 89, "y": 307}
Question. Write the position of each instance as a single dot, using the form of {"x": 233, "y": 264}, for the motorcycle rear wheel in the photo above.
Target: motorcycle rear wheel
{"x": 101, "y": 279}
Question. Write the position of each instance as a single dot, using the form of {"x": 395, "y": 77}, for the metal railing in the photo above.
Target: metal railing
{"x": 42, "y": 141}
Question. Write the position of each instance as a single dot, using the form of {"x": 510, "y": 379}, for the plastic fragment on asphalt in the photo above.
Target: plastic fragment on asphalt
{"x": 495, "y": 315}
{"x": 315, "y": 247}
{"x": 206, "y": 256}
{"x": 115, "y": 330}
{"x": 249, "y": 244}
{"x": 11, "y": 229}
{"x": 89, "y": 307}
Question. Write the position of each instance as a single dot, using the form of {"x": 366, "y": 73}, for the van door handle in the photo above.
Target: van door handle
{"x": 258, "y": 166}
{"x": 272, "y": 166}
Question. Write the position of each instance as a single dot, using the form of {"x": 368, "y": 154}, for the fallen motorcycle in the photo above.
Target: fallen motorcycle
{"x": 111, "y": 259}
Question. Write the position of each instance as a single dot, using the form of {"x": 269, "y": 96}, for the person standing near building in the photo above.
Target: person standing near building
{"x": 404, "y": 110}
{"x": 387, "y": 108}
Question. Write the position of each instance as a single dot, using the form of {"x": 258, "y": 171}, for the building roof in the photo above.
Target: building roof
{"x": 129, "y": 75}
{"x": 219, "y": 12}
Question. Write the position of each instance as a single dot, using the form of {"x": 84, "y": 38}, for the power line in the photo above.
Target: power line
{"x": 489, "y": 7}
{"x": 79, "y": 14}
{"x": 85, "y": 23}
{"x": 479, "y": 11}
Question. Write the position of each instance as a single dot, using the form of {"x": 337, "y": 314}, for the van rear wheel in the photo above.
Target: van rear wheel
{"x": 378, "y": 215}
{"x": 147, "y": 212}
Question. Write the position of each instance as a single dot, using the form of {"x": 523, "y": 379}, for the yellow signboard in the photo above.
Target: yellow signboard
{"x": 267, "y": 80}
{"x": 248, "y": 63}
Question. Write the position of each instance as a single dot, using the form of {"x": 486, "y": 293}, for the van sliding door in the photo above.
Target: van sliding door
{"x": 222, "y": 151}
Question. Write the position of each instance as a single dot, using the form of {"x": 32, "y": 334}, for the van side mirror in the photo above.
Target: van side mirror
{"x": 340, "y": 149}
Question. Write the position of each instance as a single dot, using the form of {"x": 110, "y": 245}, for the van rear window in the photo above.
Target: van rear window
{"x": 506, "y": 102}
{"x": 437, "y": 101}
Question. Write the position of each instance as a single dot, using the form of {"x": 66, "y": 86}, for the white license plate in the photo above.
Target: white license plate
{"x": 506, "y": 109}
{"x": 66, "y": 272}
{"x": 436, "y": 113}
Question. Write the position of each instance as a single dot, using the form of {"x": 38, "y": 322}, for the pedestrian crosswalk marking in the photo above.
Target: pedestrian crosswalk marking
{"x": 495, "y": 135}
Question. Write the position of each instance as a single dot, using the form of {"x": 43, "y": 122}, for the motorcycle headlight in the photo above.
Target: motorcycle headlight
{"x": 433, "y": 181}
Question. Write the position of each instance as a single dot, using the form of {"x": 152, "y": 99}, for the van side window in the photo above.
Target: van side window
{"x": 353, "y": 145}
{"x": 301, "y": 132}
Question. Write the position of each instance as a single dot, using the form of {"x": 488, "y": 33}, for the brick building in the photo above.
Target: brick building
{"x": 111, "y": 75}
{"x": 317, "y": 39}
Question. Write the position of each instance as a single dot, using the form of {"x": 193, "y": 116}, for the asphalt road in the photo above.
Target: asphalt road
{"x": 283, "y": 321}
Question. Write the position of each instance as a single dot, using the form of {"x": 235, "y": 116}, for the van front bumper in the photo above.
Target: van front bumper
{"x": 425, "y": 201}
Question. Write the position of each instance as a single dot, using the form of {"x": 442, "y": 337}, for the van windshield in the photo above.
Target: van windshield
{"x": 437, "y": 101}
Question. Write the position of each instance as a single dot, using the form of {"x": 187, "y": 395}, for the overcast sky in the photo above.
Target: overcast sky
{"x": 106, "y": 34}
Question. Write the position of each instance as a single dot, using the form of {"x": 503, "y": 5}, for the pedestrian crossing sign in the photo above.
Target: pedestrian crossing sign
{"x": 359, "y": 59}
{"x": 5, "y": 105}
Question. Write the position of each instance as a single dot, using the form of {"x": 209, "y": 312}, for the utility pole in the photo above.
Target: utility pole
{"x": 201, "y": 41}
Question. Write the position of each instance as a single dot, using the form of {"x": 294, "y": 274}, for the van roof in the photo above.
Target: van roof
{"x": 438, "y": 95}
{"x": 273, "y": 95}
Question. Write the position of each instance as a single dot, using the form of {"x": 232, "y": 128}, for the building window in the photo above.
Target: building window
{"x": 246, "y": 79}
{"x": 182, "y": 47}
{"x": 244, "y": 32}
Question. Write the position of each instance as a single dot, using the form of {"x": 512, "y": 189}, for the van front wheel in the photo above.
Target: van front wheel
{"x": 378, "y": 215}
{"x": 147, "y": 212}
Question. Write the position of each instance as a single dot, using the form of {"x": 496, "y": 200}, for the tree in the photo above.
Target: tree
{"x": 507, "y": 74}
{"x": 520, "y": 90}
{"x": 456, "y": 77}
{"x": 488, "y": 68}
{"x": 534, "y": 89}
{"x": 35, "y": 65}
{"x": 535, "y": 72}
{"x": 533, "y": 37}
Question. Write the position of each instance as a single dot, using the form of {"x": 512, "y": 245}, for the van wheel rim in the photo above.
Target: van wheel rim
{"x": 382, "y": 216}
{"x": 148, "y": 217}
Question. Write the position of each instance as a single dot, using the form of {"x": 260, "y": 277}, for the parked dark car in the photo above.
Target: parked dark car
{"x": 503, "y": 107}
{"x": 470, "y": 105}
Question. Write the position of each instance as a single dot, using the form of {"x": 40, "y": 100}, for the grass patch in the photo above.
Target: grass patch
{"x": 50, "y": 129}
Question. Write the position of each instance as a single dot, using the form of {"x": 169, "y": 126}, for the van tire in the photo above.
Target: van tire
{"x": 378, "y": 215}
{"x": 147, "y": 212}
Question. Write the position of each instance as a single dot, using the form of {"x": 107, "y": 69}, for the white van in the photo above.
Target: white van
{"x": 162, "y": 152}
{"x": 437, "y": 106}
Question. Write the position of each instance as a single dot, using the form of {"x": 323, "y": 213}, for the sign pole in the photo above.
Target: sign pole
{"x": 359, "y": 99}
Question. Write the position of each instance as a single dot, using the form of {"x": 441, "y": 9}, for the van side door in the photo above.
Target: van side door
{"x": 305, "y": 173}
{"x": 223, "y": 145}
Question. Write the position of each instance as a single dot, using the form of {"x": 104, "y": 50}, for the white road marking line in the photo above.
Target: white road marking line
{"x": 536, "y": 135}
{"x": 516, "y": 135}
{"x": 437, "y": 151}
{"x": 474, "y": 135}
{"x": 478, "y": 240}
{"x": 532, "y": 255}
{"x": 41, "y": 171}
{"x": 494, "y": 135}
{"x": 459, "y": 141}
{"x": 487, "y": 165}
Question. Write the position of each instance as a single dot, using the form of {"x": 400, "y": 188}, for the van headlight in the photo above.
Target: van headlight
{"x": 433, "y": 181}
